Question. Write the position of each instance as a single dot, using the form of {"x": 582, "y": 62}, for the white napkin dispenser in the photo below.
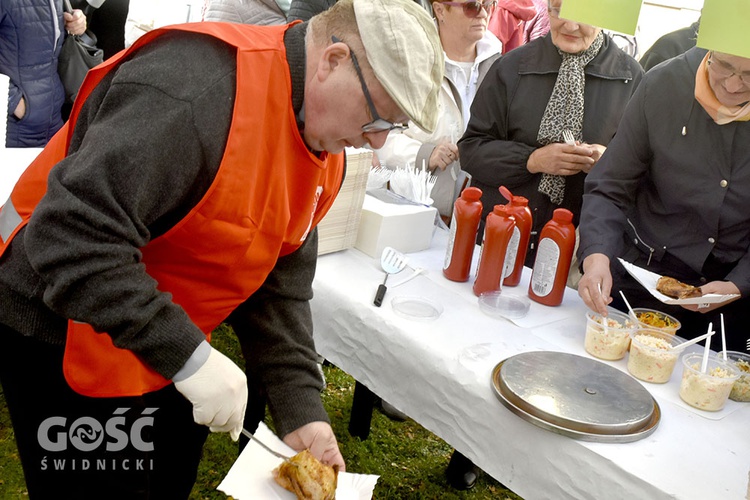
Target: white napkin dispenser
{"x": 407, "y": 228}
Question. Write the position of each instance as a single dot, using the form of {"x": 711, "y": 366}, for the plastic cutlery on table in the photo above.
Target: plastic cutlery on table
{"x": 417, "y": 271}
{"x": 392, "y": 261}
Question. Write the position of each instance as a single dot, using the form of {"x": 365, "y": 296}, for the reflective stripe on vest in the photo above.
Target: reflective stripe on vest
{"x": 9, "y": 220}
{"x": 268, "y": 192}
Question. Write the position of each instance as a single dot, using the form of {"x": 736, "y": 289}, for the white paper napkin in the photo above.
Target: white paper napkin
{"x": 251, "y": 474}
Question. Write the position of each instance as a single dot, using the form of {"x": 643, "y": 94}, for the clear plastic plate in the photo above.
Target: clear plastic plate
{"x": 417, "y": 308}
{"x": 499, "y": 305}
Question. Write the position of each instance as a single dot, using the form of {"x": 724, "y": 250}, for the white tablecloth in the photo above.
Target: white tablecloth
{"x": 439, "y": 373}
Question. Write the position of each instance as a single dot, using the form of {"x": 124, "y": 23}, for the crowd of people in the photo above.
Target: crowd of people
{"x": 128, "y": 240}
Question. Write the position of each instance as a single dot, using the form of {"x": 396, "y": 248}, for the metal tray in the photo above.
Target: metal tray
{"x": 576, "y": 396}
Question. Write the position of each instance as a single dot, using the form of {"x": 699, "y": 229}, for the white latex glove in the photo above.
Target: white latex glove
{"x": 218, "y": 392}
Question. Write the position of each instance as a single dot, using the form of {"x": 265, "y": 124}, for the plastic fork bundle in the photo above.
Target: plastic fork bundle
{"x": 413, "y": 184}
{"x": 378, "y": 177}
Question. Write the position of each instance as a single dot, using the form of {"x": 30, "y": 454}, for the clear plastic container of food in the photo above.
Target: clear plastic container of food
{"x": 710, "y": 390}
{"x": 741, "y": 388}
{"x": 652, "y": 355}
{"x": 657, "y": 320}
{"x": 608, "y": 338}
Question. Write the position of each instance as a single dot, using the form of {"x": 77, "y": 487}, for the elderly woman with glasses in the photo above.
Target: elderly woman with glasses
{"x": 574, "y": 81}
{"x": 469, "y": 51}
{"x": 671, "y": 195}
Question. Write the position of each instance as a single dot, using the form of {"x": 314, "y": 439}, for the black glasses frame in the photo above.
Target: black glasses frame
{"x": 377, "y": 124}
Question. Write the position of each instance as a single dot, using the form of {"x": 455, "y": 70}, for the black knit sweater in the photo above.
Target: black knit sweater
{"x": 146, "y": 147}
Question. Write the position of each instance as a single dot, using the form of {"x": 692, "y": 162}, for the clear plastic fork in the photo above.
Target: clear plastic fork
{"x": 568, "y": 137}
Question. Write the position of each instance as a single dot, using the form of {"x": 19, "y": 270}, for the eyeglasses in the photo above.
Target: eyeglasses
{"x": 725, "y": 70}
{"x": 473, "y": 9}
{"x": 377, "y": 124}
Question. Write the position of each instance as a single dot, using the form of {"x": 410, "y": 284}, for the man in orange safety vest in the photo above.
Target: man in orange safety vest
{"x": 184, "y": 192}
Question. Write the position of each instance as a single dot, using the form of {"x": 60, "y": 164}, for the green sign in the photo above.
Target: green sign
{"x": 724, "y": 27}
{"x": 615, "y": 15}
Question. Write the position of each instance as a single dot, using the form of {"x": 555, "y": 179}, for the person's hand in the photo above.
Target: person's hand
{"x": 319, "y": 438}
{"x": 218, "y": 392}
{"x": 75, "y": 22}
{"x": 596, "y": 284}
{"x": 443, "y": 155}
{"x": 597, "y": 150}
{"x": 561, "y": 159}
{"x": 719, "y": 288}
{"x": 20, "y": 110}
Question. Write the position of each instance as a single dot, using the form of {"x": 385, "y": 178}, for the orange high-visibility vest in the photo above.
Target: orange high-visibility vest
{"x": 268, "y": 193}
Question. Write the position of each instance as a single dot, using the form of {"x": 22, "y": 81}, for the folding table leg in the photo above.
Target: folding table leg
{"x": 363, "y": 403}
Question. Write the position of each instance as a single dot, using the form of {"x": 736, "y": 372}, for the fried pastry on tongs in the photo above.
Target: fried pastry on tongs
{"x": 307, "y": 477}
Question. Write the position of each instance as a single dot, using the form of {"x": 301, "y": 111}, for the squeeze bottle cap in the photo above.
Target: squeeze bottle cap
{"x": 513, "y": 199}
{"x": 562, "y": 215}
{"x": 471, "y": 194}
{"x": 501, "y": 210}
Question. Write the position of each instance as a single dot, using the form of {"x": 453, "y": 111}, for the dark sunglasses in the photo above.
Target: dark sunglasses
{"x": 473, "y": 9}
{"x": 377, "y": 124}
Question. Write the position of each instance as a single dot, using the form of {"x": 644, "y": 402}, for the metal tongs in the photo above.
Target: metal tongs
{"x": 263, "y": 445}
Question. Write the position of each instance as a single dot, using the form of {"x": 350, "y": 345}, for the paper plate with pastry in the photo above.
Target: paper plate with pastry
{"x": 670, "y": 290}
{"x": 258, "y": 474}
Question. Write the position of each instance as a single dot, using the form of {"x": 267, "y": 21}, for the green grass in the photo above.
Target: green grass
{"x": 409, "y": 459}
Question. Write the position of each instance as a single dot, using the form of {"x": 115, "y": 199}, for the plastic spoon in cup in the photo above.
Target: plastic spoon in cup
{"x": 704, "y": 363}
{"x": 690, "y": 342}
{"x": 626, "y": 303}
{"x": 604, "y": 319}
{"x": 723, "y": 339}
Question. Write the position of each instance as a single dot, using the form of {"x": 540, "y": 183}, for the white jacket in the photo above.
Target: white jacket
{"x": 414, "y": 146}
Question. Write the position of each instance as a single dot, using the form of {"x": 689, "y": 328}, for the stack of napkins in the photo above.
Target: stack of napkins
{"x": 405, "y": 227}
{"x": 251, "y": 476}
{"x": 338, "y": 229}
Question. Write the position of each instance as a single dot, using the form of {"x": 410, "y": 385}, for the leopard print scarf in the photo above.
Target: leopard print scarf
{"x": 565, "y": 110}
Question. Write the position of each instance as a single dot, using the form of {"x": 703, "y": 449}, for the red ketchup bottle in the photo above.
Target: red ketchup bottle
{"x": 498, "y": 229}
{"x": 467, "y": 212}
{"x": 553, "y": 255}
{"x": 519, "y": 242}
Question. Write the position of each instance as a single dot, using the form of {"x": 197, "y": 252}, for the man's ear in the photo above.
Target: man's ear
{"x": 331, "y": 59}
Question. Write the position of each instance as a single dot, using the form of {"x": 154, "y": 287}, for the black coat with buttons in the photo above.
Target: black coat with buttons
{"x": 673, "y": 180}
{"x": 508, "y": 109}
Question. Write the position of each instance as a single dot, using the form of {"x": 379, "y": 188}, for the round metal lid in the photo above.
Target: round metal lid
{"x": 576, "y": 396}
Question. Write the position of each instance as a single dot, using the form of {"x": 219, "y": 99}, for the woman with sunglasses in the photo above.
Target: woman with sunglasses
{"x": 573, "y": 79}
{"x": 672, "y": 192}
{"x": 469, "y": 51}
